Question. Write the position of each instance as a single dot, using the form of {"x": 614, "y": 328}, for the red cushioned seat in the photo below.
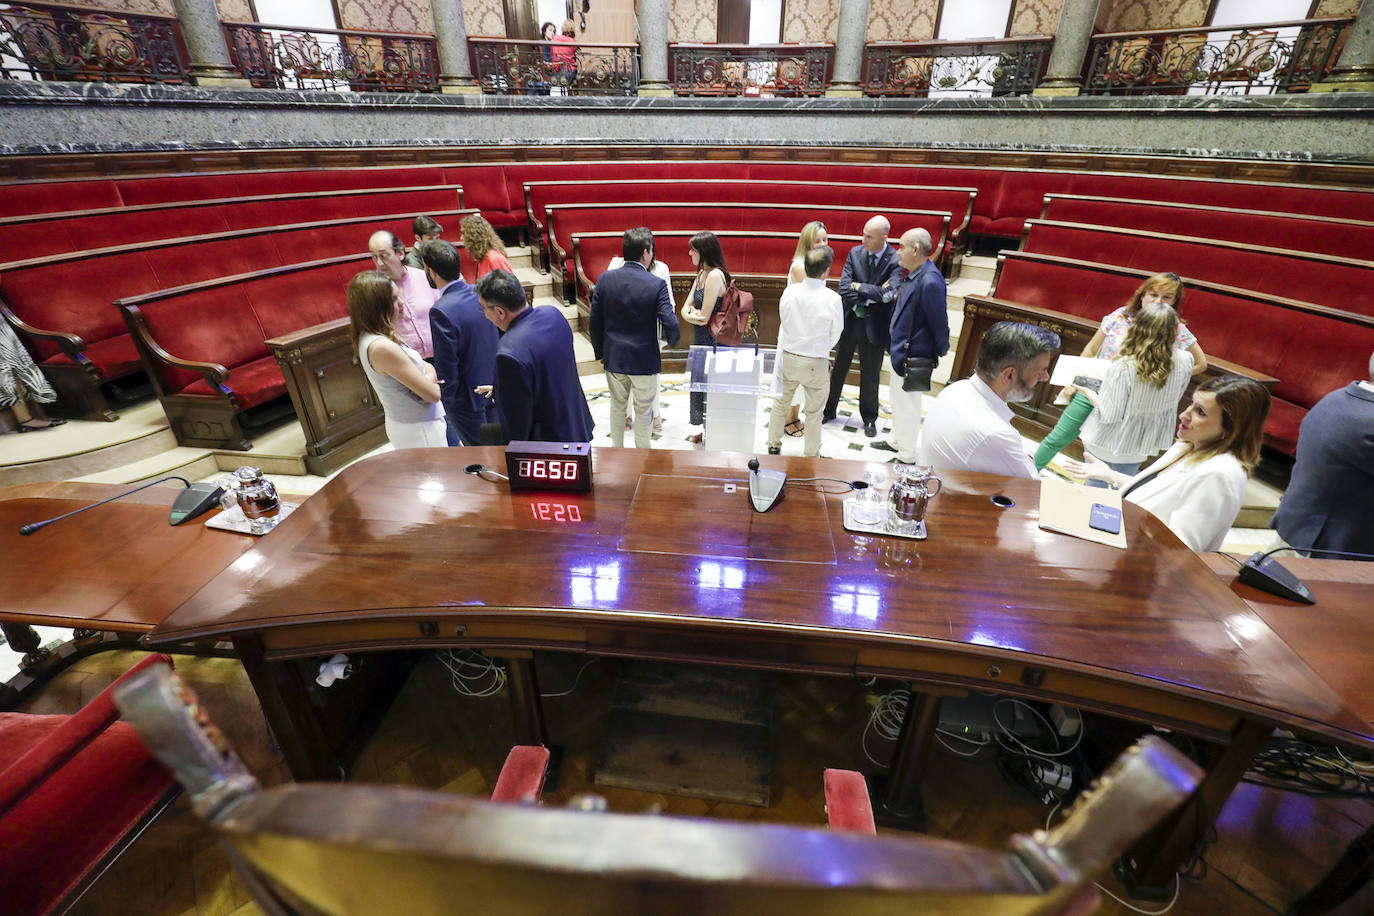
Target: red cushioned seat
{"x": 255, "y": 383}
{"x": 114, "y": 356}
{"x": 72, "y": 790}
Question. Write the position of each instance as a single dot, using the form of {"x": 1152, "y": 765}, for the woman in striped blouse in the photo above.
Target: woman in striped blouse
{"x": 1133, "y": 415}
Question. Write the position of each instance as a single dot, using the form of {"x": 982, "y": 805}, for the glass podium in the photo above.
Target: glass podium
{"x": 733, "y": 379}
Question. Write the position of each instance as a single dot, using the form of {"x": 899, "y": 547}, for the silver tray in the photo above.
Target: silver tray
{"x": 234, "y": 520}
{"x": 880, "y": 528}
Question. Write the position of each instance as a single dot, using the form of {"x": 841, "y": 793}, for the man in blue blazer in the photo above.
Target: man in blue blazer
{"x": 867, "y": 286}
{"x": 538, "y": 393}
{"x": 629, "y": 304}
{"x": 919, "y": 330}
{"x": 464, "y": 344}
{"x": 1329, "y": 504}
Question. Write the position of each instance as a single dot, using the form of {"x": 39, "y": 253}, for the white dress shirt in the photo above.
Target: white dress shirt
{"x": 659, "y": 269}
{"x": 968, "y": 428}
{"x": 1198, "y": 500}
{"x": 811, "y": 319}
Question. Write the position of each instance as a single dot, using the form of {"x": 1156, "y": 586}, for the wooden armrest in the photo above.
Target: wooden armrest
{"x": 1214, "y": 362}
{"x": 215, "y": 375}
{"x": 71, "y": 344}
{"x": 335, "y": 328}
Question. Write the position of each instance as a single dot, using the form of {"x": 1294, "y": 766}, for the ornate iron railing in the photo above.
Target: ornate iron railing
{"x": 1005, "y": 66}
{"x": 288, "y": 57}
{"x": 1272, "y": 57}
{"x": 505, "y": 66}
{"x": 750, "y": 70}
{"x": 52, "y": 42}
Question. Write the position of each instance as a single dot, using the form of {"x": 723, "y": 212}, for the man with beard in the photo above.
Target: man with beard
{"x": 968, "y": 428}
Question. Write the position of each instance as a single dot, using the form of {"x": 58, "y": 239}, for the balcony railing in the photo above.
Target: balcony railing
{"x": 1005, "y": 66}
{"x": 1273, "y": 57}
{"x": 52, "y": 42}
{"x": 750, "y": 70}
{"x": 288, "y": 57}
{"x": 505, "y": 66}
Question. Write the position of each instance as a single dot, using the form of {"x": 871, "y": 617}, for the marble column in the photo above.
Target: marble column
{"x": 1064, "y": 76}
{"x": 850, "y": 36}
{"x": 210, "y": 64}
{"x": 653, "y": 47}
{"x": 1354, "y": 72}
{"x": 451, "y": 35}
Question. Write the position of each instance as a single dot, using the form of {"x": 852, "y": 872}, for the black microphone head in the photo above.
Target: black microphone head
{"x": 29, "y": 528}
{"x": 753, "y": 464}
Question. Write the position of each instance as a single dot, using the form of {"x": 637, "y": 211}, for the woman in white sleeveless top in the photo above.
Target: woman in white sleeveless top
{"x": 405, "y": 384}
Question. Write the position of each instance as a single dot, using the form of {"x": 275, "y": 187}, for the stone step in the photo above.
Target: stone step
{"x": 85, "y": 447}
{"x": 521, "y": 256}
{"x": 978, "y": 267}
{"x": 191, "y": 463}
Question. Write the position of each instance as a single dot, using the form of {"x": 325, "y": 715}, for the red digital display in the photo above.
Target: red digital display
{"x": 551, "y": 469}
{"x": 556, "y": 512}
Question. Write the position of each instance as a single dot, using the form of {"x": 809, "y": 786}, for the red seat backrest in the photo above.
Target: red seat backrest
{"x": 298, "y": 299}
{"x": 74, "y": 294}
{"x": 20, "y": 197}
{"x": 215, "y": 325}
{"x": 1342, "y": 238}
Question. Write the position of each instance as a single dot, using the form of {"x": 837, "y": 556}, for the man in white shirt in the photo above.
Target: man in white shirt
{"x": 418, "y": 297}
{"x": 811, "y": 320}
{"x": 968, "y": 428}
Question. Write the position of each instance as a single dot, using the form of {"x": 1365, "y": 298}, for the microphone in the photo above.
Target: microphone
{"x": 194, "y": 500}
{"x": 1268, "y": 575}
{"x": 765, "y": 487}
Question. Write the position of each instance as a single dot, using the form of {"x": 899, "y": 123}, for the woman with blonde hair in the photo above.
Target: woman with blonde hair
{"x": 1106, "y": 344}
{"x": 813, "y": 235}
{"x": 1133, "y": 414}
{"x": 1198, "y": 485}
{"x": 483, "y": 245}
{"x": 405, "y": 384}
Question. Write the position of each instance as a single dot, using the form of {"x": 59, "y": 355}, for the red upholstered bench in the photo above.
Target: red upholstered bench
{"x": 877, "y": 198}
{"x": 1308, "y": 349}
{"x": 1345, "y": 238}
{"x": 205, "y": 349}
{"x": 565, "y": 220}
{"x": 1340, "y": 283}
{"x": 36, "y": 236}
{"x": 75, "y": 791}
{"x": 81, "y": 342}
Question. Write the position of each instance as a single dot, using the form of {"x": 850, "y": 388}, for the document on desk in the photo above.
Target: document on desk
{"x": 1067, "y": 368}
{"x": 1082, "y": 512}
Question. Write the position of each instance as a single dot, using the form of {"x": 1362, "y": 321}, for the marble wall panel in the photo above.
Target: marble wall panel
{"x": 1334, "y": 9}
{"x": 153, "y": 7}
{"x": 902, "y": 20}
{"x": 810, "y": 20}
{"x": 1036, "y": 17}
{"x": 1143, "y": 15}
{"x": 692, "y": 21}
{"x": 235, "y": 11}
{"x": 386, "y": 15}
{"x": 484, "y": 17}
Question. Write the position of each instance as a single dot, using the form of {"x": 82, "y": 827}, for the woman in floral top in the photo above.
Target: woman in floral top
{"x": 1164, "y": 288}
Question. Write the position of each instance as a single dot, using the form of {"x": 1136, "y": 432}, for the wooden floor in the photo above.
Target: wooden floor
{"x": 1273, "y": 844}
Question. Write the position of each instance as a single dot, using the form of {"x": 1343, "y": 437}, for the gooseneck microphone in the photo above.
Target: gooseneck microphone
{"x": 1268, "y": 575}
{"x": 35, "y": 526}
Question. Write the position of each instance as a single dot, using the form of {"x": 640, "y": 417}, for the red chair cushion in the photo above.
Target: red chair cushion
{"x": 254, "y": 383}
{"x": 114, "y": 356}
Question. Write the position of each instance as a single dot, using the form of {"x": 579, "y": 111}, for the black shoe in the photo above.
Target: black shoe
{"x": 883, "y": 445}
{"x": 870, "y": 430}
{"x": 898, "y": 461}
{"x": 775, "y": 449}
{"x": 828, "y": 418}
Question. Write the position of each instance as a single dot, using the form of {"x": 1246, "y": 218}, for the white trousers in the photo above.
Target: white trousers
{"x": 906, "y": 418}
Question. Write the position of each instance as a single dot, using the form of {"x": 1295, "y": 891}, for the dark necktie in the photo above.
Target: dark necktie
{"x": 872, "y": 264}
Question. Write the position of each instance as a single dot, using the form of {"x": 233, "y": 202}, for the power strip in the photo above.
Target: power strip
{"x": 1066, "y": 722}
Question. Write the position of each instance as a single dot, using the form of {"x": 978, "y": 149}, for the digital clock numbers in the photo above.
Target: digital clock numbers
{"x": 555, "y": 512}
{"x": 565, "y": 466}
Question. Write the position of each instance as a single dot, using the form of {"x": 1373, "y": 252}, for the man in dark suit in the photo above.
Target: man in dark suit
{"x": 537, "y": 392}
{"x": 464, "y": 344}
{"x": 867, "y": 288}
{"x": 919, "y": 330}
{"x": 629, "y": 304}
{"x": 1329, "y": 504}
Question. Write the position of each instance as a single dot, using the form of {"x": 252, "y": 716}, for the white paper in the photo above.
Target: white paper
{"x": 1067, "y": 368}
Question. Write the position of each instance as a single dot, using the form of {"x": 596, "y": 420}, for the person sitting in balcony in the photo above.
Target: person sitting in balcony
{"x": 548, "y": 32}
{"x": 565, "y": 56}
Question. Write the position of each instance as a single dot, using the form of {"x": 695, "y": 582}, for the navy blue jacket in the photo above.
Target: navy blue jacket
{"x": 628, "y": 306}
{"x": 920, "y": 317}
{"x": 1329, "y": 503}
{"x": 538, "y": 394}
{"x": 464, "y": 347}
{"x": 861, "y": 286}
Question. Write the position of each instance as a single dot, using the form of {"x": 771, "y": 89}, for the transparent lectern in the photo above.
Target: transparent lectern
{"x": 733, "y": 378}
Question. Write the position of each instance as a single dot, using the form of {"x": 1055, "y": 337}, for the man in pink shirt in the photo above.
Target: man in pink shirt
{"x": 417, "y": 296}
